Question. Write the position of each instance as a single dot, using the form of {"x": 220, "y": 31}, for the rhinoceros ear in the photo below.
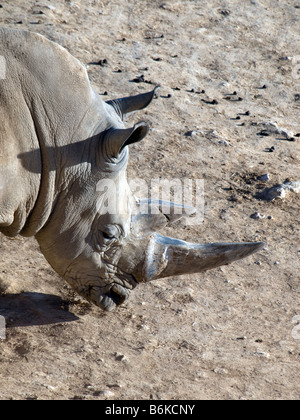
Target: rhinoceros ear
{"x": 126, "y": 106}
{"x": 118, "y": 139}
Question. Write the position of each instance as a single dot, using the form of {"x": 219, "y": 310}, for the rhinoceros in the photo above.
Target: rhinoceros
{"x": 58, "y": 141}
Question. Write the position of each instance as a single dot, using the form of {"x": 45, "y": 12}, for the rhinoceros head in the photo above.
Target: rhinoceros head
{"x": 104, "y": 242}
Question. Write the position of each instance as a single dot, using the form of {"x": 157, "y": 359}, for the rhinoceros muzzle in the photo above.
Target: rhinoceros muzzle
{"x": 157, "y": 257}
{"x": 114, "y": 293}
{"x": 116, "y": 296}
{"x": 117, "y": 293}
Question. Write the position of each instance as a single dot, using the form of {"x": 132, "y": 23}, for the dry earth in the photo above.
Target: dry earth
{"x": 226, "y": 334}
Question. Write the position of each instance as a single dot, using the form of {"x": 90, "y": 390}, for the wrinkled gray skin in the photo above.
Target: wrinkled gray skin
{"x": 58, "y": 140}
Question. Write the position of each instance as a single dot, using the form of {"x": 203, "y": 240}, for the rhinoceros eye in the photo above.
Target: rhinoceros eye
{"x": 111, "y": 232}
{"x": 107, "y": 236}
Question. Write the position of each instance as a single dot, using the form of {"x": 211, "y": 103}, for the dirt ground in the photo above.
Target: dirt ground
{"x": 226, "y": 68}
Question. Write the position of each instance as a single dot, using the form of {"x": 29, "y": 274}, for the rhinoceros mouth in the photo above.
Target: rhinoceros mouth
{"x": 117, "y": 293}
{"x": 107, "y": 289}
{"x": 116, "y": 296}
{"x": 112, "y": 295}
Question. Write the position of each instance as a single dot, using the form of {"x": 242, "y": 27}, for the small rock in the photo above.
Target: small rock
{"x": 139, "y": 79}
{"x": 50, "y": 387}
{"x": 225, "y": 12}
{"x": 106, "y": 393}
{"x": 202, "y": 375}
{"x": 264, "y": 178}
{"x": 220, "y": 371}
{"x": 103, "y": 62}
{"x": 262, "y": 354}
{"x": 271, "y": 128}
{"x": 257, "y": 216}
{"x": 190, "y": 133}
{"x": 224, "y": 143}
{"x": 120, "y": 357}
{"x": 280, "y": 192}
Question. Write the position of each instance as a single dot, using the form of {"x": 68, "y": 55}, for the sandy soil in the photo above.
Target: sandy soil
{"x": 226, "y": 334}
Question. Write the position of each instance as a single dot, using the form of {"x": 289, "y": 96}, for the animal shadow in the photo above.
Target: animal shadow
{"x": 29, "y": 309}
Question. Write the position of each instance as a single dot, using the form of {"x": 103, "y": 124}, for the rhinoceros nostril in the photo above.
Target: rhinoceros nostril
{"x": 118, "y": 294}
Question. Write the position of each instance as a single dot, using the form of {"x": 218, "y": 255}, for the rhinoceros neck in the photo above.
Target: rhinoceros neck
{"x": 44, "y": 201}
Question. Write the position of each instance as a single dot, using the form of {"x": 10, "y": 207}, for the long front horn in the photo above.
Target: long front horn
{"x": 167, "y": 257}
{"x": 125, "y": 106}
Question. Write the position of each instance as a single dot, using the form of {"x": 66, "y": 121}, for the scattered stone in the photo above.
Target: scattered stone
{"x": 37, "y": 12}
{"x": 141, "y": 79}
{"x": 103, "y": 62}
{"x": 120, "y": 357}
{"x": 270, "y": 149}
{"x": 190, "y": 133}
{"x": 106, "y": 393}
{"x": 213, "y": 102}
{"x": 264, "y": 178}
{"x": 271, "y": 128}
{"x": 220, "y": 371}
{"x": 225, "y": 12}
{"x": 263, "y": 133}
{"x": 280, "y": 192}
{"x": 286, "y": 58}
{"x": 257, "y": 216}
{"x": 233, "y": 99}
{"x": 262, "y": 354}
{"x": 50, "y": 387}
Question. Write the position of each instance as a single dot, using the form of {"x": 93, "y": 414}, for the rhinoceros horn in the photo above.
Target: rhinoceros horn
{"x": 126, "y": 106}
{"x": 166, "y": 257}
{"x": 171, "y": 257}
